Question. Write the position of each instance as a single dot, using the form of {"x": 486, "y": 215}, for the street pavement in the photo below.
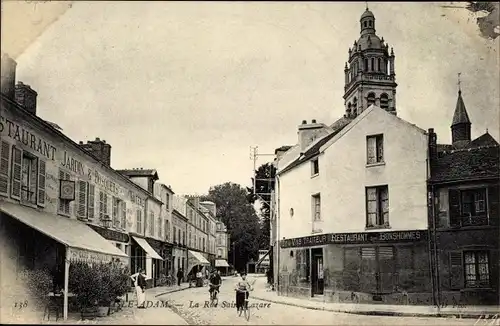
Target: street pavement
{"x": 192, "y": 305}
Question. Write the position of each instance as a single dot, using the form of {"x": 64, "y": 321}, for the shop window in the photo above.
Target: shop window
{"x": 377, "y": 206}
{"x": 316, "y": 203}
{"x": 375, "y": 149}
{"x": 302, "y": 264}
{"x": 469, "y": 207}
{"x": 476, "y": 264}
{"x": 64, "y": 203}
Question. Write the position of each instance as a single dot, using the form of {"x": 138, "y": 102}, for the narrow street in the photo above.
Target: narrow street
{"x": 192, "y": 306}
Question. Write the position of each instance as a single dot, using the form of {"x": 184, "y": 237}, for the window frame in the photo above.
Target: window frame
{"x": 315, "y": 204}
{"x": 314, "y": 167}
{"x": 382, "y": 211}
{"x": 378, "y": 157}
{"x": 33, "y": 162}
{"x": 477, "y": 271}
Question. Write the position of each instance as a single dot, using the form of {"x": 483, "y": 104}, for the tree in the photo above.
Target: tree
{"x": 241, "y": 221}
{"x": 264, "y": 184}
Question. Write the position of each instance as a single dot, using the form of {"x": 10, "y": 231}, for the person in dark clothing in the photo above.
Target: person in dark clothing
{"x": 180, "y": 276}
{"x": 214, "y": 282}
{"x": 140, "y": 287}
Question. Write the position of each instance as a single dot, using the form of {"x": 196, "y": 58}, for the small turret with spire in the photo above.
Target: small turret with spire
{"x": 461, "y": 125}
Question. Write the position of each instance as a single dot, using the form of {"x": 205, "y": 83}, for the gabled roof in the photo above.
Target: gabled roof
{"x": 460, "y": 115}
{"x": 467, "y": 164}
{"x": 484, "y": 140}
{"x": 311, "y": 151}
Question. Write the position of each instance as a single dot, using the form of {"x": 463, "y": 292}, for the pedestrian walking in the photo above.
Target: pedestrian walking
{"x": 180, "y": 276}
{"x": 139, "y": 280}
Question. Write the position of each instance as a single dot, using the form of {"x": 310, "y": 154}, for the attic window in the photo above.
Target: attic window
{"x": 314, "y": 167}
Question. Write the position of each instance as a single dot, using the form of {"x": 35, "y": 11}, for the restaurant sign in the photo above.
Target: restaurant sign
{"x": 75, "y": 254}
{"x": 355, "y": 238}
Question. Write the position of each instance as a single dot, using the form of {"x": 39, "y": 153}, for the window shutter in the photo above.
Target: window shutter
{"x": 4, "y": 167}
{"x": 454, "y": 203}
{"x": 81, "y": 211}
{"x": 380, "y": 149}
{"x": 124, "y": 215}
{"x": 41, "y": 183}
{"x": 494, "y": 212}
{"x": 91, "y": 201}
{"x": 456, "y": 270}
{"x": 15, "y": 191}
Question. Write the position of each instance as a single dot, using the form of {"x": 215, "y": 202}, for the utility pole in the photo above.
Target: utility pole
{"x": 254, "y": 154}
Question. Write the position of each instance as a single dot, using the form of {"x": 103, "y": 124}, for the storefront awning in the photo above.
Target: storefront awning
{"x": 194, "y": 259}
{"x": 221, "y": 263}
{"x": 147, "y": 248}
{"x": 83, "y": 241}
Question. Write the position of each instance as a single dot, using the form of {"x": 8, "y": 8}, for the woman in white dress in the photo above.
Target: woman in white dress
{"x": 140, "y": 285}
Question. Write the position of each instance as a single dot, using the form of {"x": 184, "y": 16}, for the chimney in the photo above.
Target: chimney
{"x": 26, "y": 97}
{"x": 309, "y": 132}
{"x": 432, "y": 146}
{"x": 100, "y": 149}
{"x": 8, "y": 76}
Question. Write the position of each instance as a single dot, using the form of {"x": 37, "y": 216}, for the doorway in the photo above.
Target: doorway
{"x": 317, "y": 269}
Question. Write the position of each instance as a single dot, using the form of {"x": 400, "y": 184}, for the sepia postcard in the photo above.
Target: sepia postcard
{"x": 250, "y": 163}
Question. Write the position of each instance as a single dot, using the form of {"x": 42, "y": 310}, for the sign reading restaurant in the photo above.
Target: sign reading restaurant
{"x": 49, "y": 151}
{"x": 355, "y": 238}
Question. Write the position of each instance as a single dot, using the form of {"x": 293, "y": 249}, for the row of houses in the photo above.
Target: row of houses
{"x": 373, "y": 208}
{"x": 61, "y": 201}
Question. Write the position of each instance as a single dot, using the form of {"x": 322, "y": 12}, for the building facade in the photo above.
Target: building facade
{"x": 209, "y": 210}
{"x": 59, "y": 203}
{"x": 464, "y": 218}
{"x": 180, "y": 243}
{"x": 354, "y": 227}
{"x": 166, "y": 247}
{"x": 222, "y": 241}
{"x": 147, "y": 238}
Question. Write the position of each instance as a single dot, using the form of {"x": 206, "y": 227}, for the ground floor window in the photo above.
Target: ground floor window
{"x": 476, "y": 265}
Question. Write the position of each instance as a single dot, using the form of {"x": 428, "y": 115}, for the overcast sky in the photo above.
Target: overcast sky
{"x": 187, "y": 88}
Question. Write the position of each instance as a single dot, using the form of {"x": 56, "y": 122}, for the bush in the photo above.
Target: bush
{"x": 38, "y": 283}
{"x": 99, "y": 284}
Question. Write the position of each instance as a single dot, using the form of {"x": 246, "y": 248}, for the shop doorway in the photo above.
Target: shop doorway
{"x": 317, "y": 275}
{"x": 377, "y": 270}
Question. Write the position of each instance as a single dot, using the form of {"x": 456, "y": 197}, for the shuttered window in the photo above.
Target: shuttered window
{"x": 15, "y": 189}
{"x": 41, "y": 183}
{"x": 103, "y": 205}
{"x": 377, "y": 206}
{"x": 456, "y": 270}
{"x": 63, "y": 203}
{"x": 81, "y": 211}
{"x": 123, "y": 215}
{"x": 151, "y": 224}
{"x": 91, "y": 202}
{"x": 116, "y": 220}
{"x": 4, "y": 167}
{"x": 139, "y": 221}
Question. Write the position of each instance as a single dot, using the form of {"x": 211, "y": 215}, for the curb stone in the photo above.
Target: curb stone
{"x": 171, "y": 291}
{"x": 376, "y": 313}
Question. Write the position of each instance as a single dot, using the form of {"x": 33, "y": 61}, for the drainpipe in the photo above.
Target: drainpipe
{"x": 436, "y": 260}
{"x": 277, "y": 217}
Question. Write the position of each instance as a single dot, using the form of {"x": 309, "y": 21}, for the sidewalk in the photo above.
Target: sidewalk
{"x": 261, "y": 292}
{"x": 161, "y": 290}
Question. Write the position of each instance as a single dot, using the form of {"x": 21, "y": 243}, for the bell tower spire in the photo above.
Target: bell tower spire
{"x": 370, "y": 77}
{"x": 461, "y": 125}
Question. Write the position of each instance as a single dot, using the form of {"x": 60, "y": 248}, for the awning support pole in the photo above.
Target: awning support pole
{"x": 66, "y": 284}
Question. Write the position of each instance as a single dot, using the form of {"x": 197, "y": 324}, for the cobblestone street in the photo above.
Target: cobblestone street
{"x": 191, "y": 305}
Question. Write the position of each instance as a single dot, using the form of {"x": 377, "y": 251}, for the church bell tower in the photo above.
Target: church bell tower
{"x": 369, "y": 73}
